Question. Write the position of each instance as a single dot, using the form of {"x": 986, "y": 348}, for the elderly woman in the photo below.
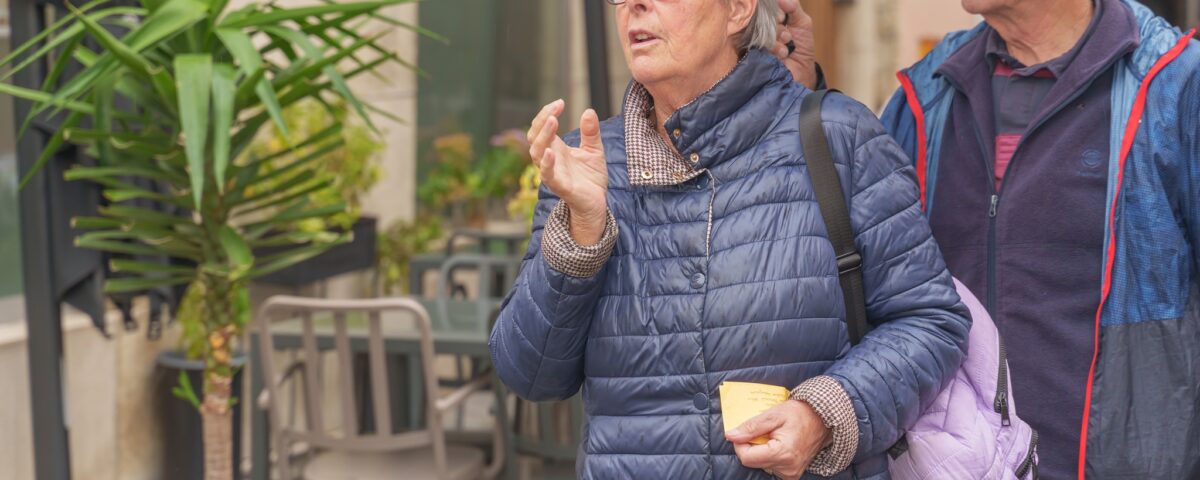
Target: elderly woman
{"x": 679, "y": 245}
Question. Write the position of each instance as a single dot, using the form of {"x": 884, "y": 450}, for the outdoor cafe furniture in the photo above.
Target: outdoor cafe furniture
{"x": 346, "y": 446}
{"x": 459, "y": 328}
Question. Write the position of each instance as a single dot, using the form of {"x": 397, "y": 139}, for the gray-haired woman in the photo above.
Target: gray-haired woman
{"x": 678, "y": 245}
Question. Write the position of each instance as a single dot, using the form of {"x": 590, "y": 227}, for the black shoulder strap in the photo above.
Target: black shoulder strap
{"x": 828, "y": 189}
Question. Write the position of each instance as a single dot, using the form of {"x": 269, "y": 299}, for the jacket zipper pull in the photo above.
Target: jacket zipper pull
{"x": 1002, "y": 407}
{"x": 992, "y": 210}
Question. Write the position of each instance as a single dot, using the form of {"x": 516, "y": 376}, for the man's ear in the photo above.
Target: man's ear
{"x": 740, "y": 14}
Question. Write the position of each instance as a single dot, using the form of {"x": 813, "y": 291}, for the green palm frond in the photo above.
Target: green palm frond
{"x": 202, "y": 82}
{"x": 168, "y": 97}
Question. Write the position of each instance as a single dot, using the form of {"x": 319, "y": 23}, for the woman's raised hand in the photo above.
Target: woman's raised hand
{"x": 579, "y": 176}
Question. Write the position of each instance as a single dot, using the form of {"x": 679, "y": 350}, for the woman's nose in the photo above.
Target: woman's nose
{"x": 638, "y": 5}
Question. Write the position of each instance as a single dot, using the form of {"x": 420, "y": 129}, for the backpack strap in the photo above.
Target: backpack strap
{"x": 828, "y": 189}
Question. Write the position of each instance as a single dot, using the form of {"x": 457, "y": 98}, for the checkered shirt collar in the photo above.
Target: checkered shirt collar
{"x": 650, "y": 161}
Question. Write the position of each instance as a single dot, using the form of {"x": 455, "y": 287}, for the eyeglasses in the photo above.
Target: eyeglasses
{"x": 621, "y": 2}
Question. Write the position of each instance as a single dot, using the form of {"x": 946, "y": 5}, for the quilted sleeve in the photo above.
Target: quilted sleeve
{"x": 920, "y": 324}
{"x": 537, "y": 344}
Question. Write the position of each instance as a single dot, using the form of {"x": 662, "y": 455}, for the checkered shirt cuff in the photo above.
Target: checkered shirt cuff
{"x": 831, "y": 402}
{"x": 568, "y": 257}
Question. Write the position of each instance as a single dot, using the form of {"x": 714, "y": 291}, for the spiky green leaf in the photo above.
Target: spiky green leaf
{"x": 235, "y": 248}
{"x": 223, "y": 91}
{"x": 194, "y": 78}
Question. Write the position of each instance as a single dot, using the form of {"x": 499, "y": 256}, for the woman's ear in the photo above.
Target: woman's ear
{"x": 740, "y": 14}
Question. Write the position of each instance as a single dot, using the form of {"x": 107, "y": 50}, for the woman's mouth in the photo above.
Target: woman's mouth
{"x": 641, "y": 38}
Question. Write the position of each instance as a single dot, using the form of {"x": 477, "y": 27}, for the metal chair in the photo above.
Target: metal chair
{"x": 550, "y": 433}
{"x": 495, "y": 274}
{"x": 351, "y": 454}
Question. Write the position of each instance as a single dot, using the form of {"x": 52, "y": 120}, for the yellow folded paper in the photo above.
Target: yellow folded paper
{"x": 741, "y": 401}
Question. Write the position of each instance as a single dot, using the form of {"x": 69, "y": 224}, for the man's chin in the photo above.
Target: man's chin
{"x": 981, "y": 7}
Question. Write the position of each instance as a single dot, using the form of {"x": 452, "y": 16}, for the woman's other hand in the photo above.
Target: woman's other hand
{"x": 579, "y": 176}
{"x": 798, "y": 29}
{"x": 795, "y": 432}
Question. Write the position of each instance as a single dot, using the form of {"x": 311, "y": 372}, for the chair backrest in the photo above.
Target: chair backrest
{"x": 316, "y": 335}
{"x": 486, "y": 266}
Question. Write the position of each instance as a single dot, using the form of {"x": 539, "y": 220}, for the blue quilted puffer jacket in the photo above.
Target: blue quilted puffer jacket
{"x": 681, "y": 307}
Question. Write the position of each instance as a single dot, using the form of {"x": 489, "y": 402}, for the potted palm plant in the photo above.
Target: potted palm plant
{"x": 167, "y": 96}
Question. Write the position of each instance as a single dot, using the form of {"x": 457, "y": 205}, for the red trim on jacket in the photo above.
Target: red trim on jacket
{"x": 1131, "y": 129}
{"x": 914, "y": 105}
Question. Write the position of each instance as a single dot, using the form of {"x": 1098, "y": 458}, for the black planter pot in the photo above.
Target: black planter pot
{"x": 183, "y": 445}
{"x": 357, "y": 255}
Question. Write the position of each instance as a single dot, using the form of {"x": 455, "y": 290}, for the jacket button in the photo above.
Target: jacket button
{"x": 646, "y": 174}
{"x": 700, "y": 401}
{"x": 676, "y": 133}
{"x": 698, "y": 280}
{"x": 694, "y": 157}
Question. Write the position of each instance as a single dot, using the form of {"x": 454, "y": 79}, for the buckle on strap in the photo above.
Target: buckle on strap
{"x": 849, "y": 262}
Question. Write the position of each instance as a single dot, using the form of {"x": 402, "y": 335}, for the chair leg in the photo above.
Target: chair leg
{"x": 283, "y": 458}
{"x": 460, "y": 369}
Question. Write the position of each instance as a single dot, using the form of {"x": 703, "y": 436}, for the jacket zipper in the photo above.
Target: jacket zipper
{"x": 1028, "y": 465}
{"x": 991, "y": 254}
{"x": 1001, "y": 402}
{"x": 989, "y": 174}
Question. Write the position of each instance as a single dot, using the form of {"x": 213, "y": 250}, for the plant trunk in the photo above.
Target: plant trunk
{"x": 217, "y": 420}
{"x": 216, "y": 410}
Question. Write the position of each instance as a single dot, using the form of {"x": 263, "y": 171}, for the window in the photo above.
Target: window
{"x": 502, "y": 61}
{"x": 10, "y": 234}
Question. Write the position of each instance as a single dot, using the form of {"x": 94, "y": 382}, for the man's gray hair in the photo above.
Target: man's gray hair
{"x": 760, "y": 32}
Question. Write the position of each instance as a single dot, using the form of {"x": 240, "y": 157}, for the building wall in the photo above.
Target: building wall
{"x": 875, "y": 38}
{"x": 919, "y": 22}
{"x": 91, "y": 389}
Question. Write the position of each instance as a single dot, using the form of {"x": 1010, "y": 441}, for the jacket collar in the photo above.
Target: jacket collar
{"x": 1112, "y": 35}
{"x": 1155, "y": 37}
{"x": 706, "y": 124}
{"x": 997, "y": 49}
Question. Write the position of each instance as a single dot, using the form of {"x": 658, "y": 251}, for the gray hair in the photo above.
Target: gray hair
{"x": 760, "y": 32}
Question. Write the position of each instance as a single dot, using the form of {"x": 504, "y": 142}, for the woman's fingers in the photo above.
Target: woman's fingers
{"x": 589, "y": 131}
{"x": 780, "y": 51}
{"x": 543, "y": 140}
{"x": 794, "y": 16}
{"x": 755, "y": 456}
{"x": 760, "y": 425}
{"x": 550, "y": 110}
{"x": 549, "y": 160}
{"x": 789, "y": 15}
{"x": 788, "y": 8}
{"x": 794, "y": 42}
